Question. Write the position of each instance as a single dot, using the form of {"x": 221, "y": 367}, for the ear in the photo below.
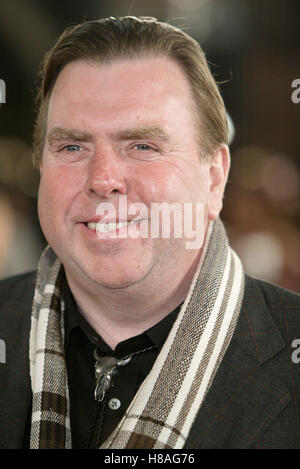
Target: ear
{"x": 219, "y": 169}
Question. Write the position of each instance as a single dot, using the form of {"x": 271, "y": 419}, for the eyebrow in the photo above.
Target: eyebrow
{"x": 61, "y": 133}
{"x": 139, "y": 133}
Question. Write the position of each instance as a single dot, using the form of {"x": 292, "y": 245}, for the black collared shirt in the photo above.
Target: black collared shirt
{"x": 92, "y": 422}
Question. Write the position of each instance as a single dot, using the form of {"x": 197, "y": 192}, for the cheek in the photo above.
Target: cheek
{"x": 46, "y": 205}
{"x": 159, "y": 183}
{"x": 55, "y": 192}
{"x": 174, "y": 183}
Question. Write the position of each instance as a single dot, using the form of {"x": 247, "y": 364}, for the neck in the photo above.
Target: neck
{"x": 118, "y": 314}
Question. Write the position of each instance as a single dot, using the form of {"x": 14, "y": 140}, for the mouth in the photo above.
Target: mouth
{"x": 106, "y": 227}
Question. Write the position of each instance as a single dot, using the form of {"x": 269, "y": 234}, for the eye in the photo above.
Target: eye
{"x": 143, "y": 151}
{"x": 143, "y": 147}
{"x": 72, "y": 148}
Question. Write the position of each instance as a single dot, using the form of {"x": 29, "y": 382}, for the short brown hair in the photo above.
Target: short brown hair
{"x": 110, "y": 39}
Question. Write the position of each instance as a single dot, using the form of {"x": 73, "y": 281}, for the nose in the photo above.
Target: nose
{"x": 106, "y": 173}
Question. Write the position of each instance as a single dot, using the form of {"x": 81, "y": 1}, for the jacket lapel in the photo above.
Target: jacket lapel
{"x": 244, "y": 398}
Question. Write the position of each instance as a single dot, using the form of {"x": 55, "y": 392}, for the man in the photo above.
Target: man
{"x": 124, "y": 338}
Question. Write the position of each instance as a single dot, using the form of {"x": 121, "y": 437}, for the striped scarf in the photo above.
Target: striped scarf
{"x": 166, "y": 404}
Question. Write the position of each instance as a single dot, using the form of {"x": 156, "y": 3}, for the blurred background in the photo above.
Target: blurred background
{"x": 253, "y": 47}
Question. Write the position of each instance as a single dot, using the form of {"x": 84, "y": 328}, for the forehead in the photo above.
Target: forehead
{"x": 154, "y": 72}
{"x": 149, "y": 84}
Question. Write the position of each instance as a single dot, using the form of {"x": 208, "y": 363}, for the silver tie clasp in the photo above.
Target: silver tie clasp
{"x": 105, "y": 369}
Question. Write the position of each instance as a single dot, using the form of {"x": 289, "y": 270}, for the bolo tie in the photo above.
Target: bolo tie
{"x": 106, "y": 367}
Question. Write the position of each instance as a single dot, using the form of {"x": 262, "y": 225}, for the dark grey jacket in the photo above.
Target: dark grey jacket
{"x": 254, "y": 401}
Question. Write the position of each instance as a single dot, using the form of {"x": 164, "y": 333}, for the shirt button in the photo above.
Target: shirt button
{"x": 114, "y": 403}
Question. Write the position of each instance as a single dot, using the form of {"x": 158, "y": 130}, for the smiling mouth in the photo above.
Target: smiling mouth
{"x": 106, "y": 227}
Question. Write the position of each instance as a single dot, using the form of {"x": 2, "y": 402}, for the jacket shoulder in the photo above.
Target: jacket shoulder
{"x": 16, "y": 296}
{"x": 283, "y": 304}
{"x": 273, "y": 294}
{"x": 17, "y": 289}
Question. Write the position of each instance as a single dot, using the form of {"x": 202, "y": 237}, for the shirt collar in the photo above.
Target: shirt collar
{"x": 155, "y": 335}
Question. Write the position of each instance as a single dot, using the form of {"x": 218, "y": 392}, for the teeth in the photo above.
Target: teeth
{"x": 92, "y": 226}
{"x": 105, "y": 227}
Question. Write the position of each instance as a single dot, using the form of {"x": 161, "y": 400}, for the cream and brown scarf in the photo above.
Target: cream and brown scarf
{"x": 166, "y": 404}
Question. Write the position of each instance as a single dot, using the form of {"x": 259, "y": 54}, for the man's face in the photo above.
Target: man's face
{"x": 123, "y": 129}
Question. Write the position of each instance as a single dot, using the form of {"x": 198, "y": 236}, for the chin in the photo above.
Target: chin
{"x": 107, "y": 276}
{"x": 115, "y": 282}
{"x": 117, "y": 285}
{"x": 112, "y": 272}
